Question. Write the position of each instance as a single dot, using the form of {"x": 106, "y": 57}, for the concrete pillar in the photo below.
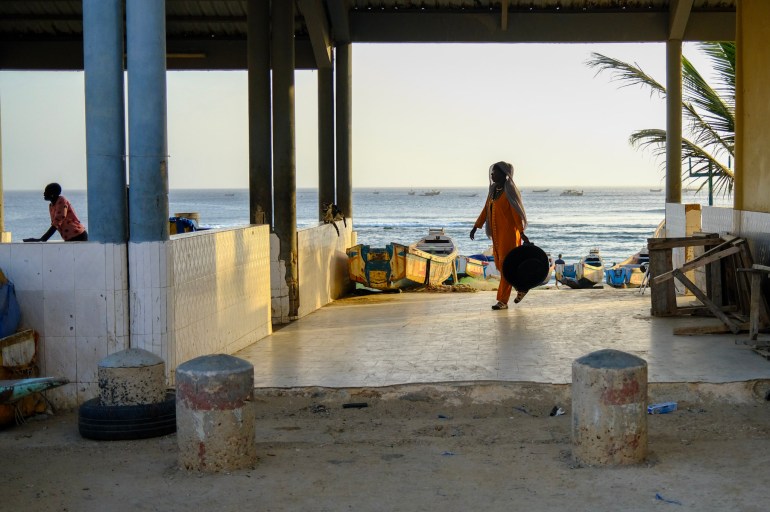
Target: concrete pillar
{"x": 752, "y": 109}
{"x": 284, "y": 156}
{"x": 4, "y": 236}
{"x": 147, "y": 138}
{"x": 674, "y": 121}
{"x": 216, "y": 424}
{"x": 325, "y": 138}
{"x": 344, "y": 128}
{"x": 132, "y": 377}
{"x": 260, "y": 142}
{"x": 105, "y": 120}
{"x": 609, "y": 409}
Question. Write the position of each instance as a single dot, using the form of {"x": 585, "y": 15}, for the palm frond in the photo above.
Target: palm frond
{"x": 628, "y": 75}
{"x": 698, "y": 159}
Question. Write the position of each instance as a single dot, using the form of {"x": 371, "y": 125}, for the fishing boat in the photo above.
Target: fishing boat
{"x": 541, "y": 190}
{"x": 471, "y": 267}
{"x": 411, "y": 192}
{"x": 429, "y": 261}
{"x": 655, "y": 189}
{"x": 468, "y": 195}
{"x": 571, "y": 192}
{"x": 630, "y": 272}
{"x": 381, "y": 268}
{"x": 431, "y": 193}
{"x": 586, "y": 273}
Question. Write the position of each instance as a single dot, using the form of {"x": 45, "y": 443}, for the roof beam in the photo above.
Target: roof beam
{"x": 318, "y": 30}
{"x": 679, "y": 14}
{"x": 340, "y": 20}
{"x": 539, "y": 27}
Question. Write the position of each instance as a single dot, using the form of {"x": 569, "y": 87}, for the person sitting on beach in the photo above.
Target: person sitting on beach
{"x": 505, "y": 221}
{"x": 63, "y": 218}
{"x": 558, "y": 269}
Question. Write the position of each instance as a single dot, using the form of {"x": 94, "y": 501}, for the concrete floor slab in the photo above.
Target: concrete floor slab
{"x": 422, "y": 337}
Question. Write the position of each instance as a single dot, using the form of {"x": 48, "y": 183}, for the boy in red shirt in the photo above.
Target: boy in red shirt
{"x": 63, "y": 218}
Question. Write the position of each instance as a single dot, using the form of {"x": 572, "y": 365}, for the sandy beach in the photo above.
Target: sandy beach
{"x": 454, "y": 448}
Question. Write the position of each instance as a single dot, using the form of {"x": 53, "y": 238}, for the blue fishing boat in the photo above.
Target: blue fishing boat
{"x": 630, "y": 272}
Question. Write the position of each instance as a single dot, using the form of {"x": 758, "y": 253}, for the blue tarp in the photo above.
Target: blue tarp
{"x": 10, "y": 314}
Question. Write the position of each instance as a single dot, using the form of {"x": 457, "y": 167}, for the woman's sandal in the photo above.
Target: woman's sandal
{"x": 519, "y": 296}
{"x": 500, "y": 305}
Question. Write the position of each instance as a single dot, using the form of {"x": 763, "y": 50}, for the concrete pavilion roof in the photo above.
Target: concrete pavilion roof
{"x": 211, "y": 34}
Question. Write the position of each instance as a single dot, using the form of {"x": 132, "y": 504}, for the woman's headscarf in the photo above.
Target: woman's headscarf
{"x": 511, "y": 192}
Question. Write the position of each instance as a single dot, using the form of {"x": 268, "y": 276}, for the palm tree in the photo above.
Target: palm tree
{"x": 709, "y": 113}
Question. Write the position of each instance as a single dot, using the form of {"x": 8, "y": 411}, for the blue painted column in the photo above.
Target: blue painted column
{"x": 147, "y": 139}
{"x": 105, "y": 120}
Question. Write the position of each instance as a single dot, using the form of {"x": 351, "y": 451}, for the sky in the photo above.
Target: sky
{"x": 424, "y": 115}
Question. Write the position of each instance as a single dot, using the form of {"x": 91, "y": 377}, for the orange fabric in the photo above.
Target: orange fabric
{"x": 506, "y": 227}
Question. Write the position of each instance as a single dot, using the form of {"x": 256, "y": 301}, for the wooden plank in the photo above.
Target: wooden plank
{"x": 698, "y": 330}
{"x": 756, "y": 279}
{"x": 663, "y": 295}
{"x": 671, "y": 243}
{"x": 697, "y": 262}
{"x": 705, "y": 300}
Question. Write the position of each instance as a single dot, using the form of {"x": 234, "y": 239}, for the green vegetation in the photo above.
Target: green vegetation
{"x": 708, "y": 137}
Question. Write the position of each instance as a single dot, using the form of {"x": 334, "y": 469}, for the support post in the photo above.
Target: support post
{"x": 284, "y": 157}
{"x": 344, "y": 127}
{"x": 148, "y": 147}
{"x": 105, "y": 121}
{"x": 325, "y": 139}
{"x": 260, "y": 143}
{"x": 3, "y": 236}
{"x": 674, "y": 121}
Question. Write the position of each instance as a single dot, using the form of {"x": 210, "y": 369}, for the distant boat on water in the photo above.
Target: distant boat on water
{"x": 468, "y": 195}
{"x": 411, "y": 192}
{"x": 431, "y": 193}
{"x": 376, "y": 192}
{"x": 541, "y": 190}
{"x": 229, "y": 194}
{"x": 572, "y": 192}
{"x": 655, "y": 190}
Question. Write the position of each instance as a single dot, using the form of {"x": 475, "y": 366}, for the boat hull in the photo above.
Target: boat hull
{"x": 428, "y": 269}
{"x": 379, "y": 268}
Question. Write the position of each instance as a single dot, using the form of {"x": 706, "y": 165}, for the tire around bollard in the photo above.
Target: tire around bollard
{"x": 127, "y": 422}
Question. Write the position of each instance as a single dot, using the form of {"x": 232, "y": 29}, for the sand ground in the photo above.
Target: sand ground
{"x": 456, "y": 447}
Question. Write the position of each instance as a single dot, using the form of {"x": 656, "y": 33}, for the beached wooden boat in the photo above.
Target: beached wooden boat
{"x": 591, "y": 267}
{"x": 586, "y": 273}
{"x": 431, "y": 260}
{"x": 630, "y": 272}
{"x": 380, "y": 268}
{"x": 471, "y": 267}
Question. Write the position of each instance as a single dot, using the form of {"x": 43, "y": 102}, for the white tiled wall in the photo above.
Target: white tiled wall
{"x": 218, "y": 293}
{"x": 75, "y": 296}
{"x": 322, "y": 265}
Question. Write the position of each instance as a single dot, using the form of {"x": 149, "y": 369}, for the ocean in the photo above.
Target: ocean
{"x": 618, "y": 221}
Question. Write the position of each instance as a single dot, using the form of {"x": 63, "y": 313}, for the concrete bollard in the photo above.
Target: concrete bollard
{"x": 609, "y": 402}
{"x": 216, "y": 424}
{"x": 131, "y": 377}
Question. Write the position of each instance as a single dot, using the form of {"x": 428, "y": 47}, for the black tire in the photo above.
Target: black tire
{"x": 125, "y": 422}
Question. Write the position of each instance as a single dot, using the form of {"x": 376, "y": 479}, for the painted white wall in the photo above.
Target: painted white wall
{"x": 322, "y": 265}
{"x": 75, "y": 296}
{"x": 200, "y": 293}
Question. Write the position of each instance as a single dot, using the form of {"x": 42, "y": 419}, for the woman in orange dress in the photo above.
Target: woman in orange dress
{"x": 505, "y": 221}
